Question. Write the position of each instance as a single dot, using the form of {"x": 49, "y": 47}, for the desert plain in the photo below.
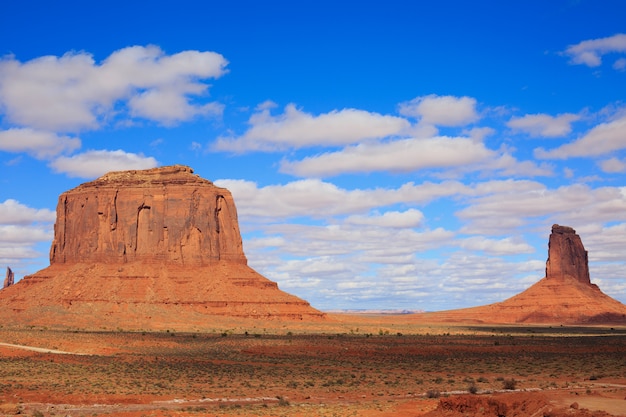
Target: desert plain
{"x": 349, "y": 365}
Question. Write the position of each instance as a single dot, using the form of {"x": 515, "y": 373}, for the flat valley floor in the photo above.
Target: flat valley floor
{"x": 352, "y": 370}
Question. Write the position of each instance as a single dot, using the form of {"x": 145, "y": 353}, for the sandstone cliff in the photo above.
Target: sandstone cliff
{"x": 167, "y": 214}
{"x": 564, "y": 296}
{"x": 151, "y": 249}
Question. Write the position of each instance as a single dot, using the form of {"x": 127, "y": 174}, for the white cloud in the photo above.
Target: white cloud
{"x": 397, "y": 156}
{"x": 169, "y": 106}
{"x": 441, "y": 110}
{"x": 620, "y": 64}
{"x": 360, "y": 244}
{"x": 395, "y": 219}
{"x": 568, "y": 172}
{"x": 12, "y": 212}
{"x": 506, "y": 165}
{"x": 506, "y": 246}
{"x": 73, "y": 92}
{"x": 613, "y": 165}
{"x": 331, "y": 245}
{"x": 590, "y": 52}
{"x": 40, "y": 144}
{"x": 344, "y": 265}
{"x": 318, "y": 199}
{"x": 544, "y": 125}
{"x": 453, "y": 155}
{"x": 92, "y": 164}
{"x": 514, "y": 203}
{"x": 21, "y": 229}
{"x": 605, "y": 243}
{"x": 600, "y": 140}
{"x": 20, "y": 234}
{"x": 16, "y": 254}
{"x": 296, "y": 129}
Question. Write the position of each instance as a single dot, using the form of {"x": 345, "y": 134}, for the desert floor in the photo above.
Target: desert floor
{"x": 350, "y": 369}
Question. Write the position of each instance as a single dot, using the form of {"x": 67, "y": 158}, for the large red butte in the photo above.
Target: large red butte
{"x": 150, "y": 249}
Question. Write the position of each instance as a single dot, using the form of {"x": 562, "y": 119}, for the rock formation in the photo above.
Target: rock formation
{"x": 564, "y": 296}
{"x": 567, "y": 257}
{"x": 166, "y": 214}
{"x": 10, "y": 278}
{"x": 157, "y": 248}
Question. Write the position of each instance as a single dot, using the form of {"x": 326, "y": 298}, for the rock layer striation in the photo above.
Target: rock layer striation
{"x": 157, "y": 248}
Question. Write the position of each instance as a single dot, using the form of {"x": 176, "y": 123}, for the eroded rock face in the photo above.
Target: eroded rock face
{"x": 567, "y": 256}
{"x": 162, "y": 214}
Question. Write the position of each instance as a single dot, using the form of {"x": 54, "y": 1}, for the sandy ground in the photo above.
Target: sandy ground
{"x": 73, "y": 373}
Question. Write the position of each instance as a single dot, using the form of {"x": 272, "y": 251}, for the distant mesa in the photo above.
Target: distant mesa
{"x": 564, "y": 296}
{"x": 156, "y": 248}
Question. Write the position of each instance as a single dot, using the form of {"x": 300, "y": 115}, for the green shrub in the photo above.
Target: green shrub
{"x": 509, "y": 384}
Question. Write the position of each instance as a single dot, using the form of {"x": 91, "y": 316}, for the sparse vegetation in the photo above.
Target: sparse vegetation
{"x": 509, "y": 384}
{"x": 292, "y": 367}
{"x": 432, "y": 393}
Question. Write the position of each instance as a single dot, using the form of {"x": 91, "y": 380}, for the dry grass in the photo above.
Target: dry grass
{"x": 287, "y": 370}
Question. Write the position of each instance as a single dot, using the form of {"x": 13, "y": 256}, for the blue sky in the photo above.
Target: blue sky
{"x": 397, "y": 155}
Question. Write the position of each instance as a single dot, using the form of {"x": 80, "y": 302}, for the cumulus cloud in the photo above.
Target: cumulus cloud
{"x": 398, "y": 156}
{"x": 441, "y": 110}
{"x": 12, "y": 212}
{"x": 600, "y": 140}
{"x": 95, "y": 163}
{"x": 312, "y": 234}
{"x": 506, "y": 246}
{"x": 297, "y": 129}
{"x": 169, "y": 106}
{"x": 368, "y": 243}
{"x": 511, "y": 204}
{"x": 506, "y": 164}
{"x": 316, "y": 198}
{"x": 21, "y": 234}
{"x": 348, "y": 264}
{"x": 456, "y": 154}
{"x": 543, "y": 125}
{"x": 40, "y": 144}
{"x": 17, "y": 253}
{"x": 395, "y": 219}
{"x": 613, "y": 165}
{"x": 590, "y": 52}
{"x": 605, "y": 243}
{"x": 21, "y": 229}
{"x": 73, "y": 92}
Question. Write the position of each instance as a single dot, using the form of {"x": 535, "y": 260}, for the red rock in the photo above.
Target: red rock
{"x": 567, "y": 257}
{"x": 166, "y": 214}
{"x": 564, "y": 296}
{"x": 10, "y": 278}
{"x": 152, "y": 249}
